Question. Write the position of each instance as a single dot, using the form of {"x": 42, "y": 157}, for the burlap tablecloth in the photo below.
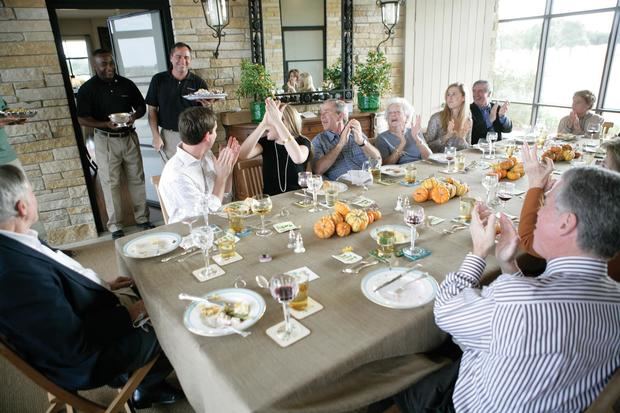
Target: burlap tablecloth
{"x": 358, "y": 352}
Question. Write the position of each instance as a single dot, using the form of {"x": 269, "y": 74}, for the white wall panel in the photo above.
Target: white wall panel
{"x": 446, "y": 41}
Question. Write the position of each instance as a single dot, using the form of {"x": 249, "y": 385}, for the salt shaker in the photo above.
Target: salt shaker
{"x": 299, "y": 244}
{"x": 399, "y": 203}
{"x": 292, "y": 238}
{"x": 405, "y": 202}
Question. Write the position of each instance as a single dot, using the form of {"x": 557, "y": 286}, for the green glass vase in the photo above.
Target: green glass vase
{"x": 257, "y": 110}
{"x": 368, "y": 103}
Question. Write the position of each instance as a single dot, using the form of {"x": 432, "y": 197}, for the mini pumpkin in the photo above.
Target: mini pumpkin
{"x": 324, "y": 227}
{"x": 343, "y": 229}
{"x": 358, "y": 219}
{"x": 377, "y": 214}
{"x": 451, "y": 190}
{"x": 371, "y": 217}
{"x": 462, "y": 189}
{"x": 440, "y": 194}
{"x": 342, "y": 208}
{"x": 337, "y": 217}
{"x": 420, "y": 194}
{"x": 513, "y": 175}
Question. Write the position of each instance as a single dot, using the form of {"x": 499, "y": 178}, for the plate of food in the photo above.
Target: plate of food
{"x": 402, "y": 234}
{"x": 413, "y": 289}
{"x": 393, "y": 170}
{"x": 21, "y": 113}
{"x": 243, "y": 208}
{"x": 201, "y": 94}
{"x": 341, "y": 187}
{"x": 568, "y": 137}
{"x": 152, "y": 245}
{"x": 239, "y": 308}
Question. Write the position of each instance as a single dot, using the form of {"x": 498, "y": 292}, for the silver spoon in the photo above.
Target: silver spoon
{"x": 359, "y": 268}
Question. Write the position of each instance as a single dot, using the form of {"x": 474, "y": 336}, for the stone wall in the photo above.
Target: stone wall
{"x": 30, "y": 77}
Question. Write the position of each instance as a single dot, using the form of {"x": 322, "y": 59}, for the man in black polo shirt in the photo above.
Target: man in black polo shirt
{"x": 165, "y": 99}
{"x": 116, "y": 146}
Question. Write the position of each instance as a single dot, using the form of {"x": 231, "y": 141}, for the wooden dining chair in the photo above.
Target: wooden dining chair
{"x": 164, "y": 212}
{"x": 609, "y": 399}
{"x": 248, "y": 178}
{"x": 61, "y": 399}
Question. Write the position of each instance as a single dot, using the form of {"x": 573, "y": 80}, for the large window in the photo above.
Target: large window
{"x": 547, "y": 50}
{"x": 76, "y": 55}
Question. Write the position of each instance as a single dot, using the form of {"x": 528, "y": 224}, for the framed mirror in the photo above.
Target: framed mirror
{"x": 308, "y": 41}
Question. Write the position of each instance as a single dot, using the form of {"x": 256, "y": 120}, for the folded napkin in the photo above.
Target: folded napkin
{"x": 357, "y": 177}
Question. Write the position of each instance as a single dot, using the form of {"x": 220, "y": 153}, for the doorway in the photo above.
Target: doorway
{"x": 139, "y": 34}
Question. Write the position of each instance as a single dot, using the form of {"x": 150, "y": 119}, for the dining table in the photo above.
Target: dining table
{"x": 357, "y": 352}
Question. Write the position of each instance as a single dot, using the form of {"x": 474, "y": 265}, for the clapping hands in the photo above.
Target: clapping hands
{"x": 227, "y": 157}
{"x": 483, "y": 233}
{"x": 538, "y": 172}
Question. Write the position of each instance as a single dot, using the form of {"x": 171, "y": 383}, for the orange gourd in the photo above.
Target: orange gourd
{"x": 337, "y": 217}
{"x": 342, "y": 208}
{"x": 358, "y": 219}
{"x": 343, "y": 229}
{"x": 513, "y": 175}
{"x": 440, "y": 194}
{"x": 324, "y": 227}
{"x": 377, "y": 214}
{"x": 371, "y": 217}
{"x": 420, "y": 194}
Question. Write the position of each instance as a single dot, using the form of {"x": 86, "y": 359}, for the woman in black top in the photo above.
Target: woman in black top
{"x": 285, "y": 151}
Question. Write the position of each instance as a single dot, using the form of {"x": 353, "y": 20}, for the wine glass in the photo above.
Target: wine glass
{"x": 302, "y": 180}
{"x": 284, "y": 288}
{"x": 489, "y": 182}
{"x": 190, "y": 214}
{"x": 315, "y": 182}
{"x": 492, "y": 138}
{"x": 450, "y": 152}
{"x": 261, "y": 205}
{"x": 414, "y": 216}
{"x": 505, "y": 191}
{"x": 484, "y": 145}
{"x": 366, "y": 168}
{"x": 203, "y": 239}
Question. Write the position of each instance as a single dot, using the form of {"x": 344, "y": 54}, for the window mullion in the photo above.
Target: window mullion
{"x": 542, "y": 52}
{"x": 609, "y": 58}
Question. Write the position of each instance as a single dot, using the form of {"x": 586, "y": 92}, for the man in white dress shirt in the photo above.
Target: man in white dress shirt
{"x": 544, "y": 344}
{"x": 194, "y": 176}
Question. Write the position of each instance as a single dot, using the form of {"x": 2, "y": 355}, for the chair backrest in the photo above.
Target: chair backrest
{"x": 164, "y": 212}
{"x": 609, "y": 397}
{"x": 248, "y": 178}
{"x": 59, "y": 397}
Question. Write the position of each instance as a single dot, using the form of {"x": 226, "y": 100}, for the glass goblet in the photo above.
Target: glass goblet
{"x": 302, "y": 180}
{"x": 505, "y": 191}
{"x": 203, "y": 239}
{"x": 284, "y": 288}
{"x": 492, "y": 138}
{"x": 190, "y": 214}
{"x": 261, "y": 205}
{"x": 450, "y": 152}
{"x": 413, "y": 216}
{"x": 489, "y": 182}
{"x": 315, "y": 182}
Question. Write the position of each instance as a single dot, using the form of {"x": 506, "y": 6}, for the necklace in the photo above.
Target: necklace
{"x": 282, "y": 190}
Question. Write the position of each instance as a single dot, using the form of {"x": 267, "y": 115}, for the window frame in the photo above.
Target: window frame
{"x": 86, "y": 39}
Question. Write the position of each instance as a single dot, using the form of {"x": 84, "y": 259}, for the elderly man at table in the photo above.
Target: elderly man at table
{"x": 194, "y": 176}
{"x": 61, "y": 317}
{"x": 487, "y": 116}
{"x": 341, "y": 146}
{"x": 549, "y": 343}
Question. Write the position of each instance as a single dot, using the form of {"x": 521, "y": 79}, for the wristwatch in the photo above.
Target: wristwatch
{"x": 362, "y": 144}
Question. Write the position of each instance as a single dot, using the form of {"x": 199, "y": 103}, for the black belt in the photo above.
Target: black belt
{"x": 115, "y": 134}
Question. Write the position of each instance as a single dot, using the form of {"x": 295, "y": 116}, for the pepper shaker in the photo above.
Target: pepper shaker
{"x": 292, "y": 238}
{"x": 299, "y": 244}
{"x": 399, "y": 203}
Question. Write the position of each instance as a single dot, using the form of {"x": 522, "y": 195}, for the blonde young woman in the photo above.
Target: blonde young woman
{"x": 451, "y": 126}
{"x": 284, "y": 149}
{"x": 580, "y": 118}
{"x": 305, "y": 83}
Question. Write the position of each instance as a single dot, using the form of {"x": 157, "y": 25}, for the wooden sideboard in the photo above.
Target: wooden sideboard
{"x": 236, "y": 124}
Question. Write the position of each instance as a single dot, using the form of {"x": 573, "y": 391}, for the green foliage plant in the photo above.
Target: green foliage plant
{"x": 332, "y": 76}
{"x": 255, "y": 82}
{"x": 373, "y": 77}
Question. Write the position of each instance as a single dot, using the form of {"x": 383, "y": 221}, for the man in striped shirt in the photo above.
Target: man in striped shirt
{"x": 545, "y": 344}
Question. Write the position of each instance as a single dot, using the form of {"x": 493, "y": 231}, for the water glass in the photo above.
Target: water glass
{"x": 450, "y": 152}
{"x": 459, "y": 165}
{"x": 466, "y": 205}
{"x": 489, "y": 182}
{"x": 410, "y": 173}
{"x": 385, "y": 243}
{"x": 302, "y": 180}
{"x": 315, "y": 182}
{"x": 484, "y": 145}
{"x": 227, "y": 246}
{"x": 331, "y": 196}
{"x": 492, "y": 138}
{"x": 203, "y": 239}
{"x": 300, "y": 302}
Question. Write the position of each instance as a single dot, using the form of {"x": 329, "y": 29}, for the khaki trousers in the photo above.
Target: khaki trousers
{"x": 171, "y": 141}
{"x": 114, "y": 154}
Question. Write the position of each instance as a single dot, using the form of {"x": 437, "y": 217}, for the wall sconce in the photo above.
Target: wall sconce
{"x": 390, "y": 12}
{"x": 216, "y": 14}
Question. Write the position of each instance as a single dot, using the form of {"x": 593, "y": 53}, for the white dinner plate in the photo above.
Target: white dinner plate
{"x": 196, "y": 96}
{"x": 415, "y": 293}
{"x": 402, "y": 233}
{"x": 196, "y": 323}
{"x": 438, "y": 157}
{"x": 152, "y": 245}
{"x": 341, "y": 187}
{"x": 393, "y": 170}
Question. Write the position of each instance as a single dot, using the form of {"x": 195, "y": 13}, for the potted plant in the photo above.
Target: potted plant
{"x": 255, "y": 83}
{"x": 372, "y": 80}
{"x": 332, "y": 76}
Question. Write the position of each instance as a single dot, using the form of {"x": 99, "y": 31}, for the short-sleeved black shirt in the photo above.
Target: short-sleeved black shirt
{"x": 271, "y": 186}
{"x": 167, "y": 93}
{"x": 99, "y": 98}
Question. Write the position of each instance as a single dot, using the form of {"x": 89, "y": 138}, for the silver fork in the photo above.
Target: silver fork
{"x": 402, "y": 288}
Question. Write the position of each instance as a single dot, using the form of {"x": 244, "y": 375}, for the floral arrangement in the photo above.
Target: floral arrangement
{"x": 373, "y": 77}
{"x": 255, "y": 82}
{"x": 332, "y": 76}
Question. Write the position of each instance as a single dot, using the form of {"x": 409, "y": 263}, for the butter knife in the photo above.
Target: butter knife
{"x": 172, "y": 257}
{"x": 392, "y": 280}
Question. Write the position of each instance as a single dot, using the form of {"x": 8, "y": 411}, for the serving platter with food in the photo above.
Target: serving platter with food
{"x": 202, "y": 94}
{"x": 21, "y": 113}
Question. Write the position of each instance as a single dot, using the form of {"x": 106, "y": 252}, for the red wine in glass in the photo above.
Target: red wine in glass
{"x": 284, "y": 288}
{"x": 284, "y": 293}
{"x": 413, "y": 219}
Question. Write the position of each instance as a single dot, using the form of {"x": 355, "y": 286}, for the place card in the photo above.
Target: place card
{"x": 303, "y": 271}
{"x": 312, "y": 307}
{"x": 284, "y": 226}
{"x": 216, "y": 271}
{"x": 348, "y": 257}
{"x": 225, "y": 261}
{"x": 362, "y": 202}
{"x": 298, "y": 331}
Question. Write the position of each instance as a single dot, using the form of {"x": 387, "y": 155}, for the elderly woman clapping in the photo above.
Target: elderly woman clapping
{"x": 580, "y": 118}
{"x": 402, "y": 142}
